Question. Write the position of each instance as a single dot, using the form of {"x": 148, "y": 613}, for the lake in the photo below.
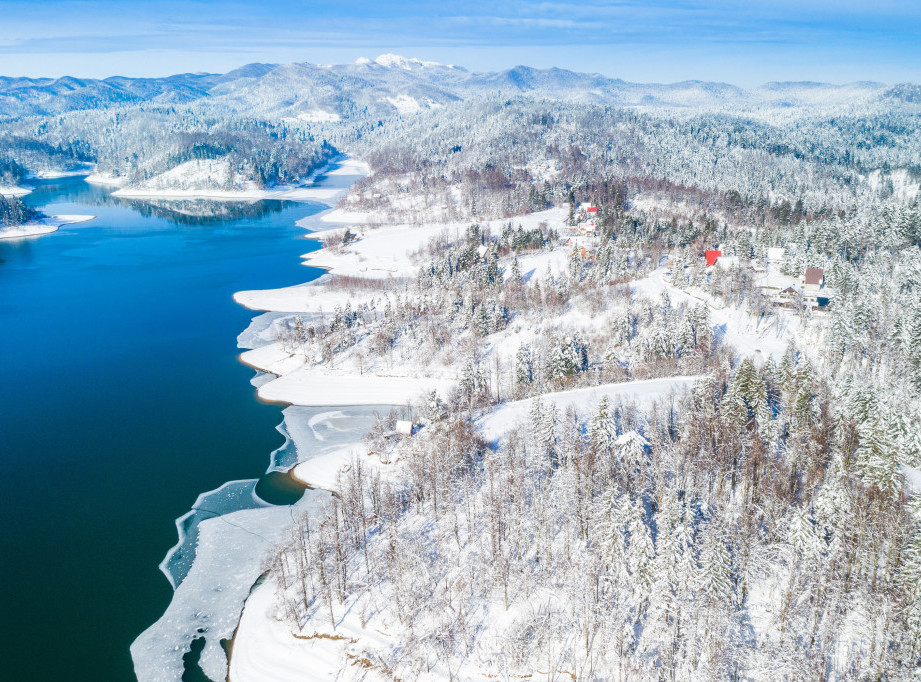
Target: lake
{"x": 122, "y": 400}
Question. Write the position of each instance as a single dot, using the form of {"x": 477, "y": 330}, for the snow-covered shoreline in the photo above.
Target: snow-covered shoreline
{"x": 14, "y": 191}
{"x": 45, "y": 226}
{"x": 231, "y": 548}
{"x": 168, "y": 185}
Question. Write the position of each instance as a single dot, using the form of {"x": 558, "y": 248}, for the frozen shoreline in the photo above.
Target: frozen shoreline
{"x": 46, "y": 226}
{"x": 231, "y": 548}
{"x": 14, "y": 191}
{"x": 303, "y": 191}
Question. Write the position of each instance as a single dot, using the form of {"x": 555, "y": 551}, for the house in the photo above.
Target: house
{"x": 592, "y": 211}
{"x": 711, "y": 256}
{"x": 788, "y": 298}
{"x": 813, "y": 280}
{"x": 404, "y": 428}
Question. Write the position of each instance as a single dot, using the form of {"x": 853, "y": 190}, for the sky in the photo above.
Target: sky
{"x": 745, "y": 43}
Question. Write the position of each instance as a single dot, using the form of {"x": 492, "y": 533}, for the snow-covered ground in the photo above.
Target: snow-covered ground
{"x": 13, "y": 191}
{"x": 45, "y": 226}
{"x": 265, "y": 647}
{"x": 497, "y": 422}
{"x": 105, "y": 179}
{"x": 749, "y": 335}
{"x": 55, "y": 173}
{"x": 215, "y": 179}
{"x": 301, "y": 382}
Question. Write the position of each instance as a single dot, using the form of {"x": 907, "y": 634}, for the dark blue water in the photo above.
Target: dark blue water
{"x": 121, "y": 400}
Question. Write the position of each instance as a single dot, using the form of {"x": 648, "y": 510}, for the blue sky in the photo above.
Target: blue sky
{"x": 655, "y": 40}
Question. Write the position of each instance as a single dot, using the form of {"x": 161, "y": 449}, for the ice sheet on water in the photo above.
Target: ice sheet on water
{"x": 262, "y": 378}
{"x": 230, "y": 549}
{"x": 230, "y": 497}
{"x": 230, "y": 557}
{"x": 317, "y": 430}
{"x": 259, "y": 332}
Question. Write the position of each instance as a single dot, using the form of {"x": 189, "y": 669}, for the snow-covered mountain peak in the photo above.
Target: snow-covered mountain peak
{"x": 398, "y": 61}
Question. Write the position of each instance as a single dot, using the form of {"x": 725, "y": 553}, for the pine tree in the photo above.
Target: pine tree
{"x": 524, "y": 366}
{"x": 602, "y": 429}
{"x": 515, "y": 277}
{"x": 877, "y": 457}
{"x": 714, "y": 579}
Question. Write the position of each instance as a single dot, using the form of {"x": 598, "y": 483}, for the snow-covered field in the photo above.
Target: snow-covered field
{"x": 45, "y": 226}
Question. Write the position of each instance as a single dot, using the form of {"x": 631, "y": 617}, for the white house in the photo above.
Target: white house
{"x": 813, "y": 280}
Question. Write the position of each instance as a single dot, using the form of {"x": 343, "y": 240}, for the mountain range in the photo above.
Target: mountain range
{"x": 393, "y": 84}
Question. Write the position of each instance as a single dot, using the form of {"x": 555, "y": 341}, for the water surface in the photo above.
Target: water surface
{"x": 122, "y": 400}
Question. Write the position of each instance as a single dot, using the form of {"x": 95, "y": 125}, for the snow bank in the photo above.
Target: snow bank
{"x": 323, "y": 471}
{"x": 312, "y": 298}
{"x": 266, "y": 649}
{"x": 105, "y": 180}
{"x": 13, "y": 191}
{"x": 45, "y": 226}
{"x": 306, "y": 386}
{"x": 350, "y": 166}
{"x": 55, "y": 173}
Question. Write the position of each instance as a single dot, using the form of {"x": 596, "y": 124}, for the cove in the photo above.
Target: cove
{"x": 122, "y": 401}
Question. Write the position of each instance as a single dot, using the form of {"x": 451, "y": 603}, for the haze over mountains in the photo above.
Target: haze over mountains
{"x": 393, "y": 84}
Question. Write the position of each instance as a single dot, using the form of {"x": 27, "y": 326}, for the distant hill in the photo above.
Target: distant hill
{"x": 393, "y": 84}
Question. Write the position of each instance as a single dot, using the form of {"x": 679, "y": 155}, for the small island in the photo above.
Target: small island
{"x": 19, "y": 220}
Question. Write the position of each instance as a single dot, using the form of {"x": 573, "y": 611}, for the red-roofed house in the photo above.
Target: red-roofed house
{"x": 592, "y": 211}
{"x": 711, "y": 256}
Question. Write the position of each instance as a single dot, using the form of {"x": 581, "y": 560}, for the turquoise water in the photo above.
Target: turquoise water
{"x": 122, "y": 400}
